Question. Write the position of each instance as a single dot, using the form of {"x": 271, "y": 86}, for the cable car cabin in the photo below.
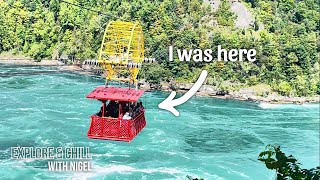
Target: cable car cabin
{"x": 121, "y": 116}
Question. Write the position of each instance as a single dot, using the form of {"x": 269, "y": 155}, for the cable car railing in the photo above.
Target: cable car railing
{"x": 116, "y": 128}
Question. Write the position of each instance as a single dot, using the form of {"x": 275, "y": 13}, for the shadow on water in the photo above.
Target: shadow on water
{"x": 17, "y": 83}
{"x": 220, "y": 141}
{"x": 11, "y": 74}
{"x": 82, "y": 78}
{"x": 5, "y": 144}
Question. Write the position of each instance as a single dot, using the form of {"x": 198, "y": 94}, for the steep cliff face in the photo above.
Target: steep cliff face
{"x": 244, "y": 18}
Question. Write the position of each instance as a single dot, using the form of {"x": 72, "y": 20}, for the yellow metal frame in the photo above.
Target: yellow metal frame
{"x": 122, "y": 45}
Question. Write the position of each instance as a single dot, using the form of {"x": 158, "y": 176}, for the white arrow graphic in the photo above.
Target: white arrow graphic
{"x": 169, "y": 103}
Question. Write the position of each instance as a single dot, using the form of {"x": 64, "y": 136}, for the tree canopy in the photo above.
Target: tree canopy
{"x": 287, "y": 43}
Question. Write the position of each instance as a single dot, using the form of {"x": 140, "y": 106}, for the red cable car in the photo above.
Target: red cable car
{"x": 121, "y": 56}
{"x": 122, "y": 127}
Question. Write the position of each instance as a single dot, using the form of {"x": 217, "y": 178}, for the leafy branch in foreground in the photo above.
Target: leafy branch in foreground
{"x": 286, "y": 167}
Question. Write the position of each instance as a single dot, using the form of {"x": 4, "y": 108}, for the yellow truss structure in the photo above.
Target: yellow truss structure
{"x": 122, "y": 51}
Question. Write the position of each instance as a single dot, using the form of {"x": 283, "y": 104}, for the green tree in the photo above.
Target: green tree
{"x": 284, "y": 88}
{"x": 286, "y": 167}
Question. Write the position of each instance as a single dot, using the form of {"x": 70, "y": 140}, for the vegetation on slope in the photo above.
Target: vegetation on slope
{"x": 288, "y": 49}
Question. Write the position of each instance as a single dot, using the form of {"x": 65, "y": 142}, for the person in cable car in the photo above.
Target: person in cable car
{"x": 112, "y": 109}
{"x": 110, "y": 104}
{"x": 141, "y": 106}
{"x": 101, "y": 110}
{"x": 128, "y": 115}
{"x": 115, "y": 110}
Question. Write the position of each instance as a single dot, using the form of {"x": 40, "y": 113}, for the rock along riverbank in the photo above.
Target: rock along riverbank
{"x": 244, "y": 94}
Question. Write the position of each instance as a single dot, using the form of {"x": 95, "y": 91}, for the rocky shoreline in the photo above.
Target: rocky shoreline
{"x": 244, "y": 94}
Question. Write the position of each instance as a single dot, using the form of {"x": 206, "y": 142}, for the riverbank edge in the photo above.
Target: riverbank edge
{"x": 205, "y": 91}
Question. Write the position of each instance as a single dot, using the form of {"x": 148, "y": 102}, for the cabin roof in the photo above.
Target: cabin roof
{"x": 115, "y": 94}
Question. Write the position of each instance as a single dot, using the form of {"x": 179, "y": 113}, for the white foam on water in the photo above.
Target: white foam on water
{"x": 73, "y": 118}
{"x": 43, "y": 142}
{"x": 25, "y": 109}
{"x": 230, "y": 170}
{"x": 280, "y": 106}
{"x": 307, "y": 105}
{"x": 269, "y": 105}
{"x": 109, "y": 155}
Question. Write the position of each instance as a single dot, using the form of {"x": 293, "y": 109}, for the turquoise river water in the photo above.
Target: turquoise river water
{"x": 212, "y": 138}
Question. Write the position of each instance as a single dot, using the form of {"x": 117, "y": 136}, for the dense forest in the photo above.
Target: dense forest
{"x": 284, "y": 33}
